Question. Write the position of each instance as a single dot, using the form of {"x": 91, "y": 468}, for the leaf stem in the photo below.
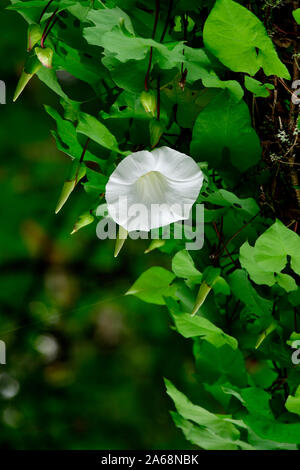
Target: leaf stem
{"x": 45, "y": 9}
{"x": 48, "y": 27}
{"x": 157, "y": 6}
{"x": 233, "y": 236}
{"x": 158, "y": 98}
{"x": 222, "y": 242}
{"x": 167, "y": 20}
{"x": 84, "y": 149}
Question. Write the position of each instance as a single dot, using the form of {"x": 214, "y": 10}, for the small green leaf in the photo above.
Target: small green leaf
{"x": 45, "y": 56}
{"x": 265, "y": 261}
{"x": 260, "y": 90}
{"x": 197, "y": 326}
{"x": 183, "y": 266}
{"x": 95, "y": 130}
{"x": 153, "y": 285}
{"x": 296, "y": 15}
{"x": 293, "y": 403}
{"x": 34, "y": 35}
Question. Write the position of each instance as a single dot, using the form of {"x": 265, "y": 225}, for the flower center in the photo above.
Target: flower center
{"x": 151, "y": 187}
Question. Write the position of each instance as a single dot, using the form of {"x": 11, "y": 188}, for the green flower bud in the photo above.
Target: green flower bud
{"x": 84, "y": 219}
{"x": 209, "y": 278}
{"x": 156, "y": 129}
{"x": 77, "y": 172}
{"x": 45, "y": 56}
{"x": 121, "y": 238}
{"x": 34, "y": 35}
{"x": 155, "y": 244}
{"x": 148, "y": 101}
{"x": 32, "y": 65}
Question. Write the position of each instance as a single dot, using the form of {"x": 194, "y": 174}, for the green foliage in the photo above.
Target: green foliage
{"x": 260, "y": 90}
{"x": 210, "y": 432}
{"x": 236, "y": 142}
{"x": 243, "y": 44}
{"x": 293, "y": 403}
{"x": 153, "y": 285}
{"x": 296, "y": 14}
{"x": 268, "y": 257}
{"x": 126, "y": 81}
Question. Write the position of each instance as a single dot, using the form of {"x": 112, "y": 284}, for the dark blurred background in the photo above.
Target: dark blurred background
{"x": 85, "y": 364}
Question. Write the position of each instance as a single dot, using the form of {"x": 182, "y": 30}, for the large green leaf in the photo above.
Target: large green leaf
{"x": 239, "y": 40}
{"x": 223, "y": 132}
{"x": 265, "y": 261}
{"x": 113, "y": 31}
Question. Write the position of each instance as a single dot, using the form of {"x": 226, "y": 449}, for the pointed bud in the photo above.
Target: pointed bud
{"x": 77, "y": 173}
{"x": 156, "y": 131}
{"x": 23, "y": 80}
{"x": 265, "y": 333}
{"x": 34, "y": 35}
{"x": 84, "y": 219}
{"x": 122, "y": 235}
{"x": 209, "y": 278}
{"x": 65, "y": 193}
{"x": 155, "y": 244}
{"x": 203, "y": 292}
{"x": 32, "y": 65}
{"x": 148, "y": 101}
{"x": 45, "y": 56}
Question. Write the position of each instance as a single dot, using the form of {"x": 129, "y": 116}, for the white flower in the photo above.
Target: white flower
{"x": 148, "y": 190}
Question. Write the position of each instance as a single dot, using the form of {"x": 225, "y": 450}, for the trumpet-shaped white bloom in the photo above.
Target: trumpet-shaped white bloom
{"x": 148, "y": 190}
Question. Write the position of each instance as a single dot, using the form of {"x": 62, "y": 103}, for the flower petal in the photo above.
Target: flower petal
{"x": 153, "y": 189}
